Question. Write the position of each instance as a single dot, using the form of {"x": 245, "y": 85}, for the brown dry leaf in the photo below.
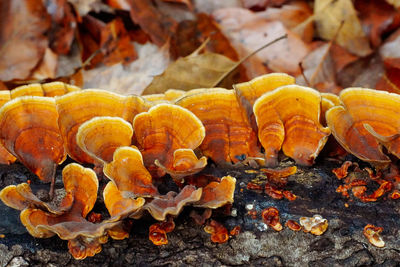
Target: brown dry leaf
{"x": 47, "y": 67}
{"x": 390, "y": 51}
{"x": 111, "y": 39}
{"x": 157, "y": 25}
{"x": 119, "y": 4}
{"x": 131, "y": 78}
{"x": 63, "y": 26}
{"x": 377, "y": 18}
{"x": 247, "y": 32}
{"x": 257, "y": 5}
{"x": 22, "y": 37}
{"x": 292, "y": 15}
{"x": 193, "y": 71}
{"x": 188, "y": 3}
{"x": 209, "y": 6}
{"x": 83, "y": 7}
{"x": 319, "y": 69}
{"x": 395, "y": 3}
{"x": 329, "y": 16}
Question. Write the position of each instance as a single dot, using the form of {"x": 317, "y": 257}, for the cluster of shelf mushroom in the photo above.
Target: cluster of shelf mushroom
{"x": 136, "y": 139}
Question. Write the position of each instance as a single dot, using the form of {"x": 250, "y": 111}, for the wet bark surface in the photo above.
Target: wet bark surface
{"x": 343, "y": 244}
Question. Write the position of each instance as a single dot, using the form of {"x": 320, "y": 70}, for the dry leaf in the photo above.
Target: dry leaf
{"x": 63, "y": 26}
{"x": 257, "y": 5}
{"x": 209, "y": 6}
{"x": 377, "y": 18}
{"x": 47, "y": 67}
{"x": 23, "y": 42}
{"x": 292, "y": 15}
{"x": 83, "y": 7}
{"x": 193, "y": 71}
{"x": 248, "y": 32}
{"x": 330, "y": 14}
{"x": 157, "y": 25}
{"x": 132, "y": 78}
{"x": 319, "y": 69}
{"x": 395, "y": 3}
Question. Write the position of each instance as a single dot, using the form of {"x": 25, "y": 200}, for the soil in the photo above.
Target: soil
{"x": 343, "y": 244}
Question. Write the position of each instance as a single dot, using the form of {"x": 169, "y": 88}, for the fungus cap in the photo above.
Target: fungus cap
{"x": 289, "y": 118}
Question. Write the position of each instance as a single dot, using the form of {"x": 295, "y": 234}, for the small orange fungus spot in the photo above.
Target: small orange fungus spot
{"x": 315, "y": 225}
{"x": 372, "y": 233}
{"x": 271, "y": 218}
{"x": 293, "y": 225}
{"x": 158, "y": 232}
{"x": 235, "y": 230}
{"x": 219, "y": 234}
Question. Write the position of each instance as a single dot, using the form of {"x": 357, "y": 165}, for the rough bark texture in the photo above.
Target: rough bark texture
{"x": 343, "y": 244}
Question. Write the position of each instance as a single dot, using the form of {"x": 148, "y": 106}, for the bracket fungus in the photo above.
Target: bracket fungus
{"x": 217, "y": 194}
{"x": 366, "y": 119}
{"x": 78, "y": 107}
{"x": 167, "y": 135}
{"x": 129, "y": 174}
{"x": 229, "y": 136}
{"x": 5, "y": 156}
{"x": 288, "y": 118}
{"x": 101, "y": 136}
{"x": 29, "y": 131}
{"x": 47, "y": 89}
{"x": 248, "y": 92}
{"x": 84, "y": 238}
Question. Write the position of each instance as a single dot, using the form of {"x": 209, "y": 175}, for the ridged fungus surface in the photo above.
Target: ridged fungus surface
{"x": 229, "y": 136}
{"x": 289, "y": 118}
{"x": 163, "y": 130}
{"x": 29, "y": 131}
{"x": 366, "y": 119}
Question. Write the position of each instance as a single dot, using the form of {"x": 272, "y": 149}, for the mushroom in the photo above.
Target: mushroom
{"x": 270, "y": 217}
{"x": 229, "y": 137}
{"x": 101, "y": 136}
{"x": 47, "y": 89}
{"x": 5, "y": 156}
{"x": 129, "y": 174}
{"x": 366, "y": 119}
{"x": 78, "y": 107}
{"x": 167, "y": 135}
{"x": 219, "y": 234}
{"x": 288, "y": 118}
{"x": 84, "y": 238}
{"x": 29, "y": 131}
{"x": 217, "y": 194}
{"x": 248, "y": 92}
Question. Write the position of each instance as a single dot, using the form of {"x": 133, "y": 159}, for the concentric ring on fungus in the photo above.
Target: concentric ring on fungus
{"x": 289, "y": 118}
{"x": 366, "y": 119}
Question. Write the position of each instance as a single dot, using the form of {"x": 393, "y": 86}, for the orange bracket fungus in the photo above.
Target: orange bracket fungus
{"x": 270, "y": 217}
{"x": 119, "y": 206}
{"x": 100, "y": 136}
{"x": 219, "y": 234}
{"x": 293, "y": 225}
{"x": 229, "y": 136}
{"x": 129, "y": 174}
{"x": 289, "y": 118}
{"x": 217, "y": 194}
{"x": 84, "y": 238}
{"x": 167, "y": 135}
{"x": 78, "y": 107}
{"x": 158, "y": 232}
{"x": 172, "y": 203}
{"x": 47, "y": 89}
{"x": 248, "y": 92}
{"x": 29, "y": 131}
{"x": 315, "y": 225}
{"x": 372, "y": 233}
{"x": 5, "y": 156}
{"x": 366, "y": 119}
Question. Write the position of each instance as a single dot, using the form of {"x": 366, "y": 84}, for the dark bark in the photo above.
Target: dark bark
{"x": 343, "y": 244}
